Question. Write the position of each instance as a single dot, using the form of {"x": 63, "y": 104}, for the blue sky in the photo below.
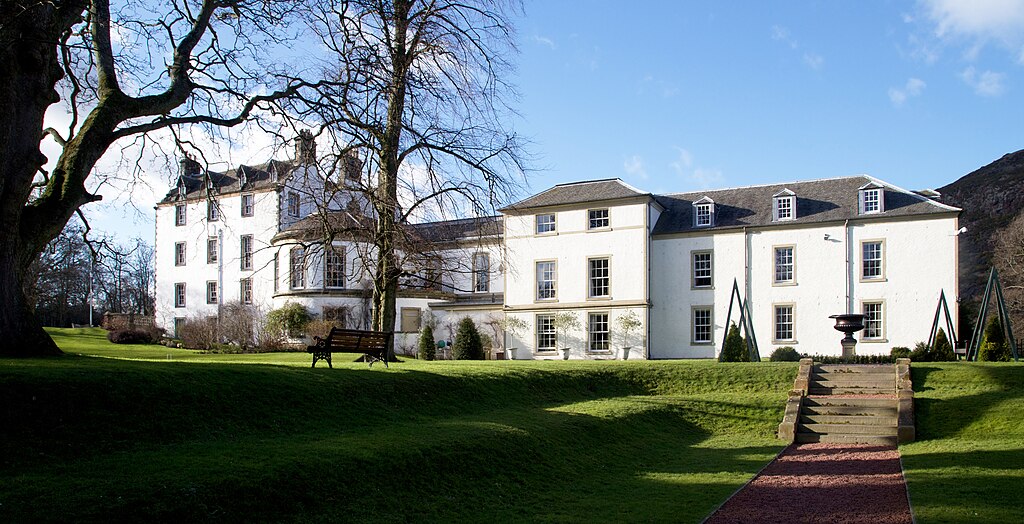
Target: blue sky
{"x": 678, "y": 96}
{"x": 681, "y": 96}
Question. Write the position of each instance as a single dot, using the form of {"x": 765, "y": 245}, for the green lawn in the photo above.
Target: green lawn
{"x": 167, "y": 434}
{"x": 968, "y": 465}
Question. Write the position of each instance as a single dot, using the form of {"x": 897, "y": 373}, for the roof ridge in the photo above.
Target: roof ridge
{"x": 752, "y": 186}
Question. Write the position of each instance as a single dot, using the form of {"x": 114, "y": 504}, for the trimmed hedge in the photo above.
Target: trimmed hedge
{"x": 130, "y": 336}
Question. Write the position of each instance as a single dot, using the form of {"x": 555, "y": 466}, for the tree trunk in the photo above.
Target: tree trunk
{"x": 21, "y": 334}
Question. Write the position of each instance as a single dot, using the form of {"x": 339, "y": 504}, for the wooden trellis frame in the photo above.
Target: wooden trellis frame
{"x": 746, "y": 325}
{"x": 942, "y": 307}
{"x": 1004, "y": 318}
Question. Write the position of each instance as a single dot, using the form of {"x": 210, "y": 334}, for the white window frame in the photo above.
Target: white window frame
{"x": 594, "y": 281}
{"x": 710, "y": 269}
{"x": 277, "y": 272}
{"x": 245, "y": 246}
{"x": 553, "y": 280}
{"x": 211, "y": 291}
{"x": 777, "y": 265}
{"x": 783, "y": 207}
{"x": 297, "y": 268}
{"x": 871, "y": 199}
{"x": 212, "y": 210}
{"x": 211, "y": 250}
{"x": 595, "y": 220}
{"x": 294, "y": 204}
{"x": 880, "y": 277}
{"x": 704, "y": 212}
{"x": 180, "y": 218}
{"x": 481, "y": 272}
{"x": 180, "y": 256}
{"x": 792, "y": 323}
{"x": 549, "y": 227}
{"x": 599, "y": 334}
{"x": 702, "y": 313}
{"x": 334, "y": 267}
{"x": 245, "y": 290}
{"x": 874, "y": 323}
{"x": 248, "y": 204}
{"x": 179, "y": 294}
{"x": 547, "y": 322}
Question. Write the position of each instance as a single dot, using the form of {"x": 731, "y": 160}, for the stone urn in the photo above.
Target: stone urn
{"x": 849, "y": 323}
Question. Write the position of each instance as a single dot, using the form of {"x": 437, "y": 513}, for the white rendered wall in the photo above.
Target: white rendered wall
{"x": 920, "y": 261}
{"x": 624, "y": 243}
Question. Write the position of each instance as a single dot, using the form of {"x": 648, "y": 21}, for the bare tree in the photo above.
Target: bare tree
{"x": 1008, "y": 258}
{"x": 420, "y": 89}
{"x": 121, "y": 72}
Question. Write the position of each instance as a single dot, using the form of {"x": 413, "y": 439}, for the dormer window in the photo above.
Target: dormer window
{"x": 783, "y": 206}
{"x": 704, "y": 213}
{"x": 871, "y": 199}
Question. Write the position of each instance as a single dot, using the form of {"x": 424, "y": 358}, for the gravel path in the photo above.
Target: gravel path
{"x": 835, "y": 483}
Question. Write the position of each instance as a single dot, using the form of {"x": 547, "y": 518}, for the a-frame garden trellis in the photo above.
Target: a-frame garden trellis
{"x": 1004, "y": 318}
{"x": 745, "y": 324}
{"x": 943, "y": 307}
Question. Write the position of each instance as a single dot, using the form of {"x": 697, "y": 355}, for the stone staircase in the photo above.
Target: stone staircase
{"x": 857, "y": 403}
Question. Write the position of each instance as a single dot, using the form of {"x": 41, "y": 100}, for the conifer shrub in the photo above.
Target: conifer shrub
{"x": 468, "y": 345}
{"x": 994, "y": 347}
{"x": 735, "y": 349}
{"x": 943, "y": 351}
{"x": 130, "y": 336}
{"x": 784, "y": 354}
{"x": 427, "y": 346}
{"x": 921, "y": 352}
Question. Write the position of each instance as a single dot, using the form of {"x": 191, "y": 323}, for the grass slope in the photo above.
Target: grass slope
{"x": 171, "y": 435}
{"x": 968, "y": 464}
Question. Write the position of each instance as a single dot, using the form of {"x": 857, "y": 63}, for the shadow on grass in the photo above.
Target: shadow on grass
{"x": 937, "y": 418}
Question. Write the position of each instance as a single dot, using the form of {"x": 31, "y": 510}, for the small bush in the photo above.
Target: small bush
{"x": 900, "y": 352}
{"x": 784, "y": 354}
{"x": 291, "y": 319}
{"x": 468, "y": 345}
{"x": 319, "y": 328}
{"x": 994, "y": 348}
{"x": 199, "y": 333}
{"x": 921, "y": 353}
{"x": 238, "y": 324}
{"x": 943, "y": 351}
{"x": 130, "y": 336}
{"x": 427, "y": 347}
{"x": 735, "y": 349}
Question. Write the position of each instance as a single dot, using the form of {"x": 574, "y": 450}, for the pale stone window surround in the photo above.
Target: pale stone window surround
{"x": 481, "y": 272}
{"x": 245, "y": 242}
{"x": 297, "y": 268}
{"x": 599, "y": 277}
{"x": 179, "y": 254}
{"x": 702, "y": 325}
{"x": 179, "y": 294}
{"x": 874, "y": 321}
{"x": 545, "y": 333}
{"x": 334, "y": 267}
{"x": 598, "y": 332}
{"x": 211, "y": 292}
{"x": 872, "y": 260}
{"x": 294, "y": 206}
{"x": 598, "y": 219}
{"x": 245, "y": 291}
{"x": 545, "y": 224}
{"x": 546, "y": 280}
{"x": 784, "y": 323}
{"x": 248, "y": 204}
{"x": 784, "y": 265}
{"x": 410, "y": 319}
{"x": 179, "y": 215}
{"x": 702, "y": 269}
{"x": 212, "y": 210}
{"x": 211, "y": 250}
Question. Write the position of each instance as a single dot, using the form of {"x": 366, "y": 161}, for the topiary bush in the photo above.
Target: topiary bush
{"x": 130, "y": 336}
{"x": 921, "y": 352}
{"x": 427, "y": 347}
{"x": 735, "y": 349}
{"x": 468, "y": 345}
{"x": 784, "y": 354}
{"x": 994, "y": 347}
{"x": 900, "y": 352}
{"x": 943, "y": 350}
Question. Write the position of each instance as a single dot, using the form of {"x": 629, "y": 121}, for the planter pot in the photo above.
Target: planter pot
{"x": 625, "y": 352}
{"x": 565, "y": 353}
{"x": 512, "y": 353}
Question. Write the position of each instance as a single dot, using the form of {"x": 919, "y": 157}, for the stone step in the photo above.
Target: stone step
{"x": 866, "y": 411}
{"x": 888, "y": 419}
{"x": 882, "y": 381}
{"x": 860, "y": 369}
{"x": 877, "y": 440}
{"x": 851, "y": 390}
{"x": 852, "y": 402}
{"x": 847, "y": 429}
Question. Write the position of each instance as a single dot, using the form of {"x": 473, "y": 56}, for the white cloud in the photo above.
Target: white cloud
{"x": 700, "y": 177}
{"x": 912, "y": 88}
{"x": 976, "y": 22}
{"x": 634, "y": 167}
{"x": 545, "y": 41}
{"x": 782, "y": 34}
{"x": 986, "y": 83}
{"x": 814, "y": 60}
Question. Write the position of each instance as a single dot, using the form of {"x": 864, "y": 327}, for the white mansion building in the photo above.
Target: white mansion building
{"x": 596, "y": 249}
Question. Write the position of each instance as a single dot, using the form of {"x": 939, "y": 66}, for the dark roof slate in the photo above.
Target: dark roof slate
{"x": 226, "y": 183}
{"x": 816, "y": 201}
{"x": 347, "y": 224}
{"x": 578, "y": 193}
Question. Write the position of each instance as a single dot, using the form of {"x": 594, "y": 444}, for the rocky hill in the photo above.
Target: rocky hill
{"x": 991, "y": 198}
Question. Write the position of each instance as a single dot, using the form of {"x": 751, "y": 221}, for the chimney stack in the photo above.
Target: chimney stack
{"x": 189, "y": 166}
{"x": 305, "y": 148}
{"x": 353, "y": 167}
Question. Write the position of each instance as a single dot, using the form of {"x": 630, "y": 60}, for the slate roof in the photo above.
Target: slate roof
{"x": 257, "y": 177}
{"x": 816, "y": 201}
{"x": 346, "y": 225}
{"x": 461, "y": 229}
{"x": 578, "y": 193}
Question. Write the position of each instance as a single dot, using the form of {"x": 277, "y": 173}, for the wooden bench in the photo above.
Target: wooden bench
{"x": 372, "y": 344}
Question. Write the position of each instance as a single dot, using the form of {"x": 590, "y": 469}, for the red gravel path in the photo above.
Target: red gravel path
{"x": 834, "y": 483}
